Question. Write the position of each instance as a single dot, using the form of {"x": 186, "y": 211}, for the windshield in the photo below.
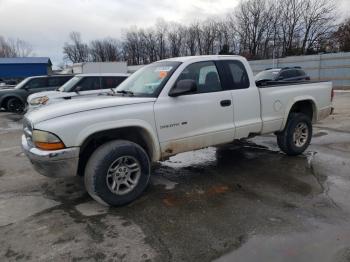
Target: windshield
{"x": 149, "y": 80}
{"x": 68, "y": 86}
{"x": 269, "y": 75}
{"x": 22, "y": 83}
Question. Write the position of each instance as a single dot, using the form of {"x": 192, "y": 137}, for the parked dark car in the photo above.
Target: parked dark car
{"x": 286, "y": 74}
{"x": 14, "y": 99}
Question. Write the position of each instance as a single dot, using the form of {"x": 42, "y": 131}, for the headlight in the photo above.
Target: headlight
{"x": 46, "y": 140}
{"x": 39, "y": 101}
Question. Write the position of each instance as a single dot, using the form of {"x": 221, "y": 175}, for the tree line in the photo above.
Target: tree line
{"x": 256, "y": 29}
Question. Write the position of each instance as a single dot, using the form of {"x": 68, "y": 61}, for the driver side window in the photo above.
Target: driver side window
{"x": 36, "y": 83}
{"x": 205, "y": 74}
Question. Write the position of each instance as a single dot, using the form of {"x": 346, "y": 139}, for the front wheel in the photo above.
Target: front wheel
{"x": 15, "y": 105}
{"x": 296, "y": 137}
{"x": 117, "y": 173}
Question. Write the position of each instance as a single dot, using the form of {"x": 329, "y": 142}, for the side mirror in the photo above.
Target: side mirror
{"x": 183, "y": 87}
{"x": 259, "y": 83}
{"x": 77, "y": 89}
{"x": 26, "y": 88}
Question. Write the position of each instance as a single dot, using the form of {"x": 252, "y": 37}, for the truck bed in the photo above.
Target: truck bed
{"x": 278, "y": 98}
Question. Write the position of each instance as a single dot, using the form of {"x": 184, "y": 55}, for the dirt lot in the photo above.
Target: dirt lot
{"x": 239, "y": 203}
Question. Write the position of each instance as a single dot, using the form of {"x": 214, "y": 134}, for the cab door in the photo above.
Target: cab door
{"x": 245, "y": 98}
{"x": 196, "y": 120}
{"x": 36, "y": 85}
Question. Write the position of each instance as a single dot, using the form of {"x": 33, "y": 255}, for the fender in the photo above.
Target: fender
{"x": 293, "y": 101}
{"x": 100, "y": 127}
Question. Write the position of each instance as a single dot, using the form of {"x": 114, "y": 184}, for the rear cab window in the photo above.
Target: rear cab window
{"x": 235, "y": 74}
{"x": 64, "y": 79}
{"x": 57, "y": 81}
{"x": 89, "y": 83}
{"x": 109, "y": 82}
{"x": 53, "y": 81}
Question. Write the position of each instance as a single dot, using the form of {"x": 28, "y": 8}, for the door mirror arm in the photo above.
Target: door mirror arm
{"x": 77, "y": 89}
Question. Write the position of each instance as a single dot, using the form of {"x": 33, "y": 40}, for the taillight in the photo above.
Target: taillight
{"x": 332, "y": 95}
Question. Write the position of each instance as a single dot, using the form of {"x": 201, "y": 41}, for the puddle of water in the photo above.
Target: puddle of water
{"x": 324, "y": 243}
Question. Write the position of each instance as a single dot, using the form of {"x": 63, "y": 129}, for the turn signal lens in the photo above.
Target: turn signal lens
{"x": 49, "y": 146}
{"x": 46, "y": 140}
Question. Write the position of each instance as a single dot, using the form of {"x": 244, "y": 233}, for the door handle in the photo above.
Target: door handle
{"x": 224, "y": 103}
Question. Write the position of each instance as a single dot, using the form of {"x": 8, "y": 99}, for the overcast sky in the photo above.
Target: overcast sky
{"x": 47, "y": 23}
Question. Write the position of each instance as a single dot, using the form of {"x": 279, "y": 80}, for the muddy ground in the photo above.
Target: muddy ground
{"x": 245, "y": 202}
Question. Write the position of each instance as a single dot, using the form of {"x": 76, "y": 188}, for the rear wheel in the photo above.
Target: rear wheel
{"x": 117, "y": 173}
{"x": 296, "y": 137}
{"x": 15, "y": 105}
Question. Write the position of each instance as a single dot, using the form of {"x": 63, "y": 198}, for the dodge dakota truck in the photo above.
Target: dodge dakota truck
{"x": 165, "y": 108}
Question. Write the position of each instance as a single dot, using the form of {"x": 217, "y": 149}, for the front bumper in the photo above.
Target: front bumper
{"x": 58, "y": 163}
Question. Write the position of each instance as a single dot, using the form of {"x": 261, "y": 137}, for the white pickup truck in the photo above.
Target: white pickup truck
{"x": 166, "y": 108}
{"x": 81, "y": 85}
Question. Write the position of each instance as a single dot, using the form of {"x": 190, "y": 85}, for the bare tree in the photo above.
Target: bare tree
{"x": 190, "y": 40}
{"x": 106, "y": 50}
{"x": 76, "y": 51}
{"x": 5, "y": 49}
{"x": 150, "y": 41}
{"x": 341, "y": 38}
{"x": 318, "y": 20}
{"x": 14, "y": 48}
{"x": 208, "y": 35}
{"x": 175, "y": 37}
{"x": 253, "y": 20}
{"x": 132, "y": 47}
{"x": 161, "y": 30}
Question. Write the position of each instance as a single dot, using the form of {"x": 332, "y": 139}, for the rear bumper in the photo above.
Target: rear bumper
{"x": 58, "y": 163}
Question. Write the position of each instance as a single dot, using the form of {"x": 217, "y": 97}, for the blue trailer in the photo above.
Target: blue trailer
{"x": 22, "y": 67}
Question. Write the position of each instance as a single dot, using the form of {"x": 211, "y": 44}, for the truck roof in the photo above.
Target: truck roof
{"x": 104, "y": 74}
{"x": 48, "y": 76}
{"x": 201, "y": 57}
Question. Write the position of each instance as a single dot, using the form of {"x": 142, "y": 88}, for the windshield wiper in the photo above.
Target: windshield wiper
{"x": 125, "y": 92}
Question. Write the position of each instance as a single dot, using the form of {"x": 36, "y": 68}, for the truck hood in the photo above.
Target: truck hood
{"x": 6, "y": 88}
{"x": 83, "y": 104}
{"x": 58, "y": 94}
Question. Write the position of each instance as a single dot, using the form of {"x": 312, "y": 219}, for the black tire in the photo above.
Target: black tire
{"x": 97, "y": 182}
{"x": 15, "y": 105}
{"x": 298, "y": 123}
